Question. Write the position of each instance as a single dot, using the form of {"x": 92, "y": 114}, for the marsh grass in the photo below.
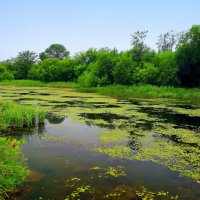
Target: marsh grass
{"x": 18, "y": 116}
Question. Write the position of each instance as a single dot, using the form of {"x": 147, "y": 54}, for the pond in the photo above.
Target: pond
{"x": 96, "y": 147}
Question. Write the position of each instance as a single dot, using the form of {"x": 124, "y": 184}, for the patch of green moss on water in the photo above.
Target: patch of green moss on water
{"x": 115, "y": 135}
{"x": 116, "y": 171}
{"x": 189, "y": 112}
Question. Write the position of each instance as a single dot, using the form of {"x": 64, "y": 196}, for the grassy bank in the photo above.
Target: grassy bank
{"x": 30, "y": 83}
{"x": 118, "y": 91}
{"x": 145, "y": 91}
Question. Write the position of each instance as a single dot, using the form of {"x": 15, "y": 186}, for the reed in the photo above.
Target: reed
{"x": 19, "y": 116}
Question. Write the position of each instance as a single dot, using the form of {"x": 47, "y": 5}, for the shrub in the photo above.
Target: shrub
{"x": 4, "y": 73}
{"x": 13, "y": 169}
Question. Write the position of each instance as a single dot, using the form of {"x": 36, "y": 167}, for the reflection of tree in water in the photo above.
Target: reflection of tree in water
{"x": 135, "y": 134}
{"x": 53, "y": 119}
{"x": 27, "y": 132}
{"x": 134, "y": 142}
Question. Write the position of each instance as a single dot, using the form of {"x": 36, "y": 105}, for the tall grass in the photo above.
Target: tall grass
{"x": 31, "y": 83}
{"x": 19, "y": 116}
{"x": 145, "y": 91}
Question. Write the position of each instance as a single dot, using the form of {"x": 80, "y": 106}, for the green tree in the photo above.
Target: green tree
{"x": 48, "y": 70}
{"x": 53, "y": 69}
{"x": 55, "y": 51}
{"x": 167, "y": 41}
{"x": 188, "y": 57}
{"x": 168, "y": 70}
{"x": 139, "y": 48}
{"x": 146, "y": 75}
{"x": 4, "y": 73}
{"x": 90, "y": 77}
{"x": 123, "y": 69}
{"x": 23, "y": 63}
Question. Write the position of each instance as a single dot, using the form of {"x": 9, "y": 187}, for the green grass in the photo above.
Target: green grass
{"x": 145, "y": 91}
{"x": 31, "y": 83}
{"x": 18, "y": 116}
{"x": 13, "y": 169}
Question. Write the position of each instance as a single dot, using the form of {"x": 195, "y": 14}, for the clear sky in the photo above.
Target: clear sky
{"x": 81, "y": 24}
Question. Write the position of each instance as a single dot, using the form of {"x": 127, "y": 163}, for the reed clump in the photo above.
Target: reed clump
{"x": 13, "y": 115}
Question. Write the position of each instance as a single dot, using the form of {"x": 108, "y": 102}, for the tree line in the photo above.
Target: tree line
{"x": 176, "y": 63}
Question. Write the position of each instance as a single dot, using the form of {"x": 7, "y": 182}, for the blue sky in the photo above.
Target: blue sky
{"x": 81, "y": 24}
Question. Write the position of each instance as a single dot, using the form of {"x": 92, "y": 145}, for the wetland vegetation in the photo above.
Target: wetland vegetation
{"x": 103, "y": 124}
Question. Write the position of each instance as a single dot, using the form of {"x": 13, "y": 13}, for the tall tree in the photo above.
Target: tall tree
{"x": 138, "y": 45}
{"x": 55, "y": 51}
{"x": 167, "y": 41}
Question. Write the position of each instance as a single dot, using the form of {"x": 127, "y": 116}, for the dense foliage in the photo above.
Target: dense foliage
{"x": 13, "y": 169}
{"x": 177, "y": 63}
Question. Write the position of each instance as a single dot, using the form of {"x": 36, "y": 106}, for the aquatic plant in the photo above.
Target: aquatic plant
{"x": 76, "y": 193}
{"x": 145, "y": 194}
{"x": 115, "y": 171}
{"x": 78, "y": 189}
{"x": 115, "y": 135}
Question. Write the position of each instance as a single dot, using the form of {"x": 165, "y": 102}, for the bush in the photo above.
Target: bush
{"x": 5, "y": 74}
{"x": 146, "y": 75}
{"x": 166, "y": 64}
{"x": 13, "y": 169}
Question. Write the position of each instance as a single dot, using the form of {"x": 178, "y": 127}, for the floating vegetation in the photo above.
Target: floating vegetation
{"x": 72, "y": 181}
{"x": 122, "y": 152}
{"x": 190, "y": 112}
{"x": 146, "y": 194}
{"x": 116, "y": 171}
{"x": 77, "y": 189}
{"x": 115, "y": 135}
